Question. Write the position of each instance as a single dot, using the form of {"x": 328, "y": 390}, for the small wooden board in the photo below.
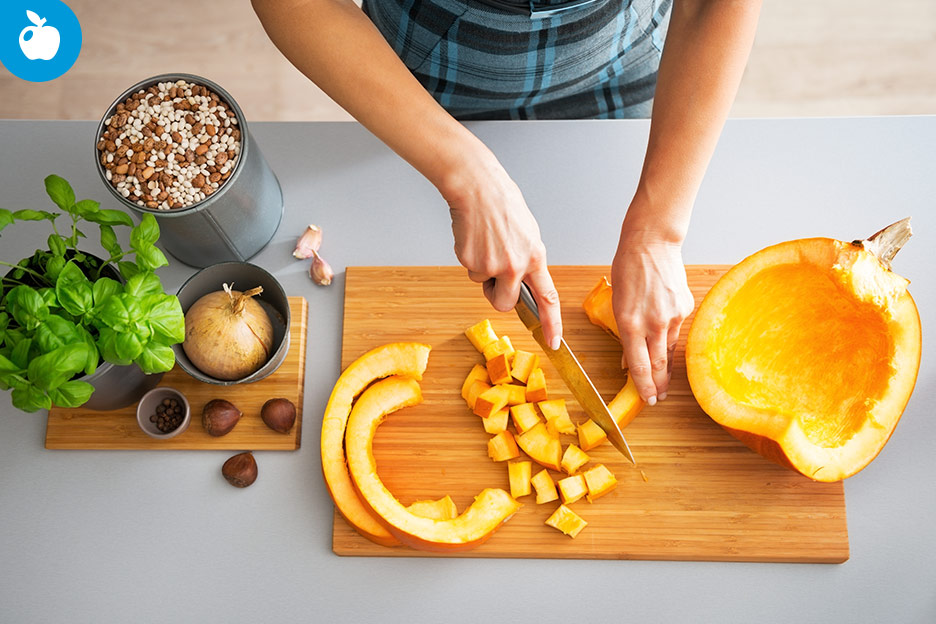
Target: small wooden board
{"x": 707, "y": 497}
{"x": 78, "y": 428}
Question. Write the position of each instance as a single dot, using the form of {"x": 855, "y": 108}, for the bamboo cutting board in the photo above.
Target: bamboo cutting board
{"x": 79, "y": 428}
{"x": 706, "y": 497}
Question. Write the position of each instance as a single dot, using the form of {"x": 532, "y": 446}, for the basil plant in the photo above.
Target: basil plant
{"x": 63, "y": 311}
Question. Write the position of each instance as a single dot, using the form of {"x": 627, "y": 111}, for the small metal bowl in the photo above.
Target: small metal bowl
{"x": 241, "y": 276}
{"x": 147, "y": 407}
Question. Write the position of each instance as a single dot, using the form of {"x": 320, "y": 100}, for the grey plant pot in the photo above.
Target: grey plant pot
{"x": 116, "y": 387}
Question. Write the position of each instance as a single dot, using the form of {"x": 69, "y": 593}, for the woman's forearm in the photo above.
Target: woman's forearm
{"x": 706, "y": 49}
{"x": 335, "y": 45}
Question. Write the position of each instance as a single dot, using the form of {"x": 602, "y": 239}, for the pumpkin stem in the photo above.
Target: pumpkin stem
{"x": 887, "y": 242}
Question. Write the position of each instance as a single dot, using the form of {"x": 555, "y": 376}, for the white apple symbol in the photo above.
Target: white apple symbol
{"x": 43, "y": 44}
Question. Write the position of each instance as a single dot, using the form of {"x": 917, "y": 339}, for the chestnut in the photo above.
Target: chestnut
{"x": 219, "y": 417}
{"x": 240, "y": 470}
{"x": 279, "y": 415}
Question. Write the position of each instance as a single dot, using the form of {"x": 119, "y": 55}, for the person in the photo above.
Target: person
{"x": 410, "y": 70}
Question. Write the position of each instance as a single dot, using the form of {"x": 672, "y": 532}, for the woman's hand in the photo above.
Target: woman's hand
{"x": 498, "y": 241}
{"x": 651, "y": 300}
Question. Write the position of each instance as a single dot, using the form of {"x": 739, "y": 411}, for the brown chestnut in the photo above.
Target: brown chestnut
{"x": 279, "y": 415}
{"x": 240, "y": 470}
{"x": 219, "y": 417}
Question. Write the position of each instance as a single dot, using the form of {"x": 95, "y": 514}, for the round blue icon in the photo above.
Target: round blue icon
{"x": 39, "y": 39}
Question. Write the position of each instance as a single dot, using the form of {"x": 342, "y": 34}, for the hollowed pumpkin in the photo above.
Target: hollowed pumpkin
{"x": 808, "y": 351}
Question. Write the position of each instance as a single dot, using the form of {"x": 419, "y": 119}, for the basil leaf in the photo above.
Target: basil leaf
{"x": 29, "y": 398}
{"x": 73, "y": 289}
{"x": 56, "y": 332}
{"x": 146, "y": 232}
{"x": 149, "y": 257}
{"x": 51, "y": 370}
{"x": 128, "y": 346}
{"x": 87, "y": 207}
{"x": 20, "y": 354}
{"x": 113, "y": 313}
{"x": 6, "y": 218}
{"x": 142, "y": 284}
{"x": 56, "y": 245}
{"x": 127, "y": 269}
{"x": 27, "y": 307}
{"x": 156, "y": 359}
{"x": 103, "y": 288}
{"x": 109, "y": 241}
{"x": 33, "y": 215}
{"x": 53, "y": 268}
{"x": 60, "y": 192}
{"x": 110, "y": 217}
{"x": 93, "y": 356}
{"x": 107, "y": 345}
{"x": 166, "y": 318}
{"x": 72, "y": 393}
{"x": 7, "y": 366}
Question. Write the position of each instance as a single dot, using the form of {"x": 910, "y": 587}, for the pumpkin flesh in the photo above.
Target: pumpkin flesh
{"x": 807, "y": 351}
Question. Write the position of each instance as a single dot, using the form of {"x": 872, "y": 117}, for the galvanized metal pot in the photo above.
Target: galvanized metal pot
{"x": 232, "y": 224}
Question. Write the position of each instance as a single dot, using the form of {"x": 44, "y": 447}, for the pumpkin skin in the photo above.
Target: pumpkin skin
{"x": 808, "y": 352}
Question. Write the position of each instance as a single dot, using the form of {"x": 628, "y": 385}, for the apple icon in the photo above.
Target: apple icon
{"x": 43, "y": 41}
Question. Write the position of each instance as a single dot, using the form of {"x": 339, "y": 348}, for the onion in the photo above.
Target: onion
{"x": 228, "y": 335}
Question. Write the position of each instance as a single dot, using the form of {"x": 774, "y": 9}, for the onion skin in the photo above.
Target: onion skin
{"x": 228, "y": 335}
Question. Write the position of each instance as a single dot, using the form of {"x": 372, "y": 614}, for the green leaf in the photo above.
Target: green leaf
{"x": 6, "y": 218}
{"x": 48, "y": 295}
{"x": 113, "y": 313}
{"x": 103, "y": 288}
{"x": 110, "y": 217}
{"x": 72, "y": 393}
{"x": 156, "y": 359}
{"x": 73, "y": 289}
{"x": 7, "y": 366}
{"x": 127, "y": 269}
{"x": 149, "y": 257}
{"x": 26, "y": 306}
{"x": 128, "y": 346}
{"x": 107, "y": 345}
{"x": 87, "y": 207}
{"x": 166, "y": 318}
{"x": 60, "y": 191}
{"x": 144, "y": 283}
{"x": 56, "y": 332}
{"x": 20, "y": 354}
{"x": 29, "y": 398}
{"x": 57, "y": 245}
{"x": 53, "y": 268}
{"x": 109, "y": 241}
{"x": 146, "y": 232}
{"x": 93, "y": 356}
{"x": 51, "y": 370}
{"x": 34, "y": 215}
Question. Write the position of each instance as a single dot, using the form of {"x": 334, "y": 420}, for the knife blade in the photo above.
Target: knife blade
{"x": 572, "y": 374}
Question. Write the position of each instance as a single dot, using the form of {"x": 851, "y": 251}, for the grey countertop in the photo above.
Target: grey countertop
{"x": 120, "y": 536}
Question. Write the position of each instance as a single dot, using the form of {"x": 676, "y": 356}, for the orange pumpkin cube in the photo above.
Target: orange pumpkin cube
{"x": 536, "y": 386}
{"x": 497, "y": 422}
{"x": 478, "y": 373}
{"x": 503, "y": 447}
{"x": 572, "y": 488}
{"x": 599, "y": 480}
{"x": 481, "y": 335}
{"x": 557, "y": 416}
{"x": 590, "y": 435}
{"x": 517, "y": 394}
{"x": 498, "y": 369}
{"x": 566, "y": 521}
{"x": 542, "y": 448}
{"x": 476, "y": 389}
{"x": 519, "y": 474}
{"x": 573, "y": 459}
{"x": 442, "y": 509}
{"x": 524, "y": 417}
{"x": 523, "y": 364}
{"x": 545, "y": 487}
{"x": 501, "y": 346}
{"x": 491, "y": 401}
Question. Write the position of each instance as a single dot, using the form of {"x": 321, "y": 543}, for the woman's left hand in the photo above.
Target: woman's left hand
{"x": 651, "y": 300}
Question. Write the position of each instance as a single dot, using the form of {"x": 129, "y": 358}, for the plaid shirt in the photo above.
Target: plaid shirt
{"x": 592, "y": 62}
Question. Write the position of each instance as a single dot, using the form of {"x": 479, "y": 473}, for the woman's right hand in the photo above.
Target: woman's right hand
{"x": 498, "y": 241}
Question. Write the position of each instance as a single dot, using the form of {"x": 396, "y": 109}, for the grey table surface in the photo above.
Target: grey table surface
{"x": 121, "y": 536}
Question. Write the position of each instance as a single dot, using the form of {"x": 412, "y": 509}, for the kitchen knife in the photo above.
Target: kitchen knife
{"x": 572, "y": 374}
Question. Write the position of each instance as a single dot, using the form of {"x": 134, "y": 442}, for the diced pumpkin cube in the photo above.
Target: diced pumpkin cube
{"x": 503, "y": 447}
{"x": 524, "y": 417}
{"x": 491, "y": 401}
{"x": 572, "y": 488}
{"x": 519, "y": 474}
{"x": 517, "y": 394}
{"x": 566, "y": 521}
{"x": 478, "y": 373}
{"x": 626, "y": 404}
{"x": 523, "y": 364}
{"x": 557, "y": 416}
{"x": 501, "y": 345}
{"x": 573, "y": 459}
{"x": 542, "y": 448}
{"x": 536, "y": 386}
{"x": 545, "y": 487}
{"x": 498, "y": 369}
{"x": 476, "y": 389}
{"x": 442, "y": 509}
{"x": 590, "y": 435}
{"x": 481, "y": 335}
{"x": 497, "y": 422}
{"x": 599, "y": 480}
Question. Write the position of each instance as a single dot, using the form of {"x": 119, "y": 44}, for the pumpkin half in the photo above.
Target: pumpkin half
{"x": 808, "y": 351}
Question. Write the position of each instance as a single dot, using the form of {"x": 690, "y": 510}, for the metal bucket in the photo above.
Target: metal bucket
{"x": 234, "y": 223}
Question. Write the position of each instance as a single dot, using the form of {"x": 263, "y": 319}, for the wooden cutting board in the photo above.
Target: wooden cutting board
{"x": 707, "y": 496}
{"x": 79, "y": 428}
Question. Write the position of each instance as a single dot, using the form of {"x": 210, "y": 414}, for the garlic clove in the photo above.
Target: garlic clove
{"x": 309, "y": 242}
{"x": 320, "y": 271}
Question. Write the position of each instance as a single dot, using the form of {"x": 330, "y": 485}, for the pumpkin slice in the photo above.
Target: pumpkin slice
{"x": 808, "y": 351}
{"x": 441, "y": 509}
{"x": 490, "y": 509}
{"x": 400, "y": 358}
